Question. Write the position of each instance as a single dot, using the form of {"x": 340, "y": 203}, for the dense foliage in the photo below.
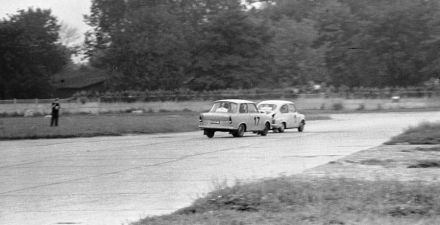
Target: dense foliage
{"x": 29, "y": 54}
{"x": 209, "y": 45}
{"x": 205, "y": 44}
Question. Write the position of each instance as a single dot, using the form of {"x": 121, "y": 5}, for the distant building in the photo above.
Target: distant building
{"x": 73, "y": 80}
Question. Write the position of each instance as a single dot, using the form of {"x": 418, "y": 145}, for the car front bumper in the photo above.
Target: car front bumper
{"x": 275, "y": 125}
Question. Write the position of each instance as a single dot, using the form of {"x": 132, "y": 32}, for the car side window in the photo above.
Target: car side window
{"x": 233, "y": 108}
{"x": 243, "y": 108}
{"x": 284, "y": 109}
{"x": 252, "y": 108}
{"x": 292, "y": 108}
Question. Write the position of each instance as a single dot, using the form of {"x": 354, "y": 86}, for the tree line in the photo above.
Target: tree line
{"x": 209, "y": 44}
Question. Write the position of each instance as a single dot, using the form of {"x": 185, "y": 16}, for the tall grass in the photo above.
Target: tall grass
{"x": 424, "y": 133}
{"x": 306, "y": 201}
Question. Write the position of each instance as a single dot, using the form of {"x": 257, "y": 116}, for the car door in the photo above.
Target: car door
{"x": 293, "y": 114}
{"x": 255, "y": 115}
{"x": 244, "y": 116}
{"x": 284, "y": 115}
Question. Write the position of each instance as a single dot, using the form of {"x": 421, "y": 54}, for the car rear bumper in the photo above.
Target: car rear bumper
{"x": 222, "y": 127}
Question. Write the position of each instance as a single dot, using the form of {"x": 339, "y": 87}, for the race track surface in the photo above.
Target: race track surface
{"x": 117, "y": 180}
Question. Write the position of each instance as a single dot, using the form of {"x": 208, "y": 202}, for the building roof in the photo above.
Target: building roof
{"x": 77, "y": 79}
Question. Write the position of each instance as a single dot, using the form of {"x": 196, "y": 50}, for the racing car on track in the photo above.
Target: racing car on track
{"x": 235, "y": 116}
{"x": 284, "y": 115}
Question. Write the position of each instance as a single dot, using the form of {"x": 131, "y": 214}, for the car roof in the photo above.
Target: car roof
{"x": 276, "y": 102}
{"x": 238, "y": 101}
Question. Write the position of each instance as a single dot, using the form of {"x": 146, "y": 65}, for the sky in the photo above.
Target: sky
{"x": 69, "y": 12}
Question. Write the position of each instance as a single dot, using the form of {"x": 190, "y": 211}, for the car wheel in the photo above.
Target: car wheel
{"x": 209, "y": 133}
{"x": 240, "y": 131}
{"x": 266, "y": 130}
{"x": 301, "y": 126}
{"x": 281, "y": 129}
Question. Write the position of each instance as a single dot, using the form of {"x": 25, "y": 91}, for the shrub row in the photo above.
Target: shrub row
{"x": 261, "y": 93}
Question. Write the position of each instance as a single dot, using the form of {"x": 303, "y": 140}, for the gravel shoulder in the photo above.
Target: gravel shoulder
{"x": 386, "y": 162}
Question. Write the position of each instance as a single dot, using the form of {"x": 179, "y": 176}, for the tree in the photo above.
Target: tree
{"x": 375, "y": 43}
{"x": 30, "y": 54}
{"x": 295, "y": 60}
{"x": 151, "y": 51}
{"x": 231, "y": 52}
{"x": 164, "y": 44}
{"x": 69, "y": 36}
{"x": 106, "y": 18}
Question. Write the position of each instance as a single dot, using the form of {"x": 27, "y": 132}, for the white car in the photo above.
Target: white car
{"x": 284, "y": 115}
{"x": 235, "y": 116}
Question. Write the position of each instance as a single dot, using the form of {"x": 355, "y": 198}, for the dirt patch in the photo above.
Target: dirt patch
{"x": 386, "y": 162}
{"x": 376, "y": 162}
{"x": 430, "y": 149}
{"x": 426, "y": 164}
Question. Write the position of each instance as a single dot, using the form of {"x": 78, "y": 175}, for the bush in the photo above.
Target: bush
{"x": 379, "y": 107}
{"x": 338, "y": 106}
{"x": 150, "y": 110}
{"x": 186, "y": 110}
{"x": 10, "y": 114}
{"x": 361, "y": 107}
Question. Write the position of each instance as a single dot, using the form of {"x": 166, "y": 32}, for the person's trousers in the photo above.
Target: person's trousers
{"x": 54, "y": 120}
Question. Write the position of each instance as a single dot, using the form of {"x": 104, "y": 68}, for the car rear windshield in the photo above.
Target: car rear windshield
{"x": 267, "y": 107}
{"x": 224, "y": 107}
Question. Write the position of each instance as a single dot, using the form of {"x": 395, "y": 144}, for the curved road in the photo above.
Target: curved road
{"x": 114, "y": 180}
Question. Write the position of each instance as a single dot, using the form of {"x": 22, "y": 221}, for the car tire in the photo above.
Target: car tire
{"x": 281, "y": 129}
{"x": 266, "y": 130}
{"x": 209, "y": 133}
{"x": 240, "y": 131}
{"x": 301, "y": 126}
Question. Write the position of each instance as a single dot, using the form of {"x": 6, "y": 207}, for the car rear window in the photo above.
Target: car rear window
{"x": 267, "y": 107}
{"x": 224, "y": 107}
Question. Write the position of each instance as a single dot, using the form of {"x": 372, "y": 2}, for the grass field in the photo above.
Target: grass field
{"x": 104, "y": 124}
{"x": 93, "y": 125}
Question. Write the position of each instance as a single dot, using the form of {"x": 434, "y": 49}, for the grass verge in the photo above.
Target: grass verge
{"x": 424, "y": 133}
{"x": 312, "y": 201}
{"x": 97, "y": 125}
{"x": 105, "y": 124}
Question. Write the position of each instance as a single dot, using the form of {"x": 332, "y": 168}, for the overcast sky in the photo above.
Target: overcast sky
{"x": 67, "y": 11}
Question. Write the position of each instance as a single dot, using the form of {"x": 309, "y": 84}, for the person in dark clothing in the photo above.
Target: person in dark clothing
{"x": 55, "y": 113}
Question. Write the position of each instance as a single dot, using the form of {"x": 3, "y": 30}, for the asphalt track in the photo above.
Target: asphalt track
{"x": 117, "y": 180}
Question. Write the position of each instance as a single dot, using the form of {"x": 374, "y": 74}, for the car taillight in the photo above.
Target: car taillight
{"x": 230, "y": 119}
{"x": 200, "y": 118}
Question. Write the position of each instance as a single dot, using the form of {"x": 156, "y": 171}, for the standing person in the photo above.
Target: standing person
{"x": 55, "y": 113}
